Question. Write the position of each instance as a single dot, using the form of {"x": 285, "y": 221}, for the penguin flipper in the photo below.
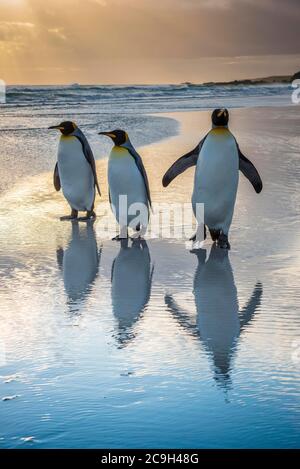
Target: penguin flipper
{"x": 250, "y": 172}
{"x": 88, "y": 155}
{"x": 184, "y": 162}
{"x": 139, "y": 162}
{"x": 56, "y": 178}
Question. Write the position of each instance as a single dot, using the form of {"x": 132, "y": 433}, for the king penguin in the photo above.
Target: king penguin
{"x": 218, "y": 160}
{"x": 129, "y": 191}
{"x": 75, "y": 171}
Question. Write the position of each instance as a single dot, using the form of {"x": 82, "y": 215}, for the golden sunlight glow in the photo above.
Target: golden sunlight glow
{"x": 143, "y": 41}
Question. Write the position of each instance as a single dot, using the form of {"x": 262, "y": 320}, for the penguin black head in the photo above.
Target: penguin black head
{"x": 220, "y": 117}
{"x": 119, "y": 137}
{"x": 66, "y": 127}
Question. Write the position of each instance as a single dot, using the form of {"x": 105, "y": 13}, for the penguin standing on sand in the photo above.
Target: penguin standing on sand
{"x": 75, "y": 171}
{"x": 218, "y": 160}
{"x": 129, "y": 191}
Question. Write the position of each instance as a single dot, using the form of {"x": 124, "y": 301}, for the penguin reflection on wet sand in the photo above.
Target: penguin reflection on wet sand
{"x": 131, "y": 280}
{"x": 75, "y": 171}
{"x": 127, "y": 177}
{"x": 79, "y": 262}
{"x": 219, "y": 323}
{"x": 218, "y": 160}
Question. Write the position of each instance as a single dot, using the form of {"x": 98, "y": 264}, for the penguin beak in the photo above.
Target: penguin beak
{"x": 57, "y": 127}
{"x": 108, "y": 134}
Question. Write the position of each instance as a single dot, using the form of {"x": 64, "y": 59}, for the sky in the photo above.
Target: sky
{"x": 147, "y": 41}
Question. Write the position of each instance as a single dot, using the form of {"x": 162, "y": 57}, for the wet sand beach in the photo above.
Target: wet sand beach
{"x": 189, "y": 349}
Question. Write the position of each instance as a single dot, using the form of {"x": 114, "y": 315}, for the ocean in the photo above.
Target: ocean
{"x": 28, "y": 148}
{"x": 145, "y": 98}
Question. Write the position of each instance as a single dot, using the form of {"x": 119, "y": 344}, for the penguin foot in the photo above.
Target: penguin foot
{"x": 68, "y": 217}
{"x": 119, "y": 238}
{"x": 90, "y": 215}
{"x": 223, "y": 242}
{"x": 73, "y": 216}
{"x": 86, "y": 218}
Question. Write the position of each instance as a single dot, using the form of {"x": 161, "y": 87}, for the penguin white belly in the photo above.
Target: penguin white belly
{"x": 76, "y": 176}
{"x": 124, "y": 178}
{"x": 216, "y": 179}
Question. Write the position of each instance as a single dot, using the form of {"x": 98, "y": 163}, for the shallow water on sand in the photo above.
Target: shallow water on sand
{"x": 151, "y": 345}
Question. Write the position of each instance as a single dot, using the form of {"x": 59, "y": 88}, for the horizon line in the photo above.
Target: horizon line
{"x": 152, "y": 83}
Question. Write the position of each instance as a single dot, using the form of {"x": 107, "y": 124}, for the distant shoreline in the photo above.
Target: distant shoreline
{"x": 276, "y": 79}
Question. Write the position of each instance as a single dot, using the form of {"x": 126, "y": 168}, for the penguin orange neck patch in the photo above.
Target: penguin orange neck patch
{"x": 67, "y": 137}
{"x": 220, "y": 130}
{"x": 119, "y": 152}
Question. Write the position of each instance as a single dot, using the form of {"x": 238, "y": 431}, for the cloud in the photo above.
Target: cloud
{"x": 102, "y": 3}
{"x": 16, "y": 33}
{"x": 95, "y": 35}
{"x": 17, "y": 24}
{"x": 58, "y": 32}
{"x": 12, "y": 28}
